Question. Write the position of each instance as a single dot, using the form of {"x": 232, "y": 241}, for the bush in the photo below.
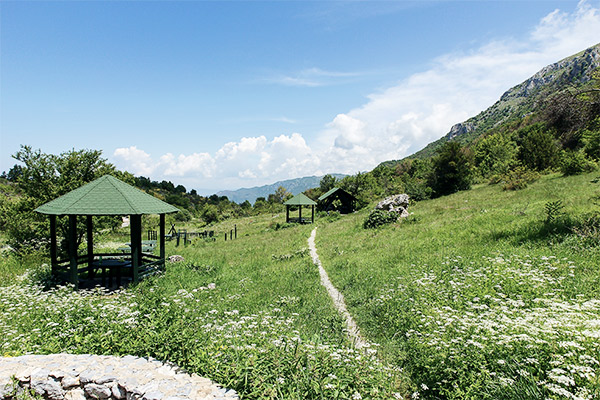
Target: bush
{"x": 379, "y": 217}
{"x": 183, "y": 216}
{"x": 538, "y": 149}
{"x": 451, "y": 170}
{"x": 591, "y": 142}
{"x": 575, "y": 162}
{"x": 519, "y": 178}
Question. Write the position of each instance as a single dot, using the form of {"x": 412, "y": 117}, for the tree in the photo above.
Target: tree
{"x": 494, "y": 155}
{"x": 451, "y": 170}
{"x": 44, "y": 177}
{"x": 281, "y": 195}
{"x": 327, "y": 183}
{"x": 538, "y": 150}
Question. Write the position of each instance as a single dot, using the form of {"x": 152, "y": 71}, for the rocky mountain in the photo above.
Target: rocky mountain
{"x": 574, "y": 72}
{"x": 295, "y": 186}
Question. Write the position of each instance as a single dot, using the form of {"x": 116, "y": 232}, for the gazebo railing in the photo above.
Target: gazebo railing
{"x": 150, "y": 264}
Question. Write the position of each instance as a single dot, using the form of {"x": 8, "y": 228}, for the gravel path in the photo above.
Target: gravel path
{"x": 336, "y": 296}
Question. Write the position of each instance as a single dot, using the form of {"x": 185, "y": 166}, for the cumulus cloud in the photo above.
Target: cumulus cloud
{"x": 394, "y": 122}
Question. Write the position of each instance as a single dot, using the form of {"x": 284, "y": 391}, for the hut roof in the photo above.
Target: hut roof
{"x": 332, "y": 191}
{"x": 106, "y": 196}
{"x": 300, "y": 200}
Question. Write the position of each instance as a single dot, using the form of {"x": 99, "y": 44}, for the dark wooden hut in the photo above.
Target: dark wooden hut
{"x": 337, "y": 200}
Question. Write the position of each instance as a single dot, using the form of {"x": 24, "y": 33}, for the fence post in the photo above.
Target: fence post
{"x": 225, "y": 236}
{"x": 235, "y": 229}
{"x": 177, "y": 239}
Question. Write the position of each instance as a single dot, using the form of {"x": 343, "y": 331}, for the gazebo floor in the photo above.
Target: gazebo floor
{"x": 109, "y": 284}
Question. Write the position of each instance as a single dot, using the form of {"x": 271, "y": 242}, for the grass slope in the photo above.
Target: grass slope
{"x": 475, "y": 296}
{"x": 249, "y": 314}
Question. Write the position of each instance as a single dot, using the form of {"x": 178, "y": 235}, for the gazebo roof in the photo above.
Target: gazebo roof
{"x": 300, "y": 200}
{"x": 106, "y": 196}
{"x": 332, "y": 191}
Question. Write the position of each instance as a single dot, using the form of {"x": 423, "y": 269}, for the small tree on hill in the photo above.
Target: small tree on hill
{"x": 538, "y": 150}
{"x": 327, "y": 183}
{"x": 451, "y": 170}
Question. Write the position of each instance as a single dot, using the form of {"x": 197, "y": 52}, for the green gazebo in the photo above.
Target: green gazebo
{"x": 104, "y": 197}
{"x": 299, "y": 200}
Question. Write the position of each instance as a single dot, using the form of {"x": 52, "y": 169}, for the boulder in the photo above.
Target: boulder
{"x": 397, "y": 203}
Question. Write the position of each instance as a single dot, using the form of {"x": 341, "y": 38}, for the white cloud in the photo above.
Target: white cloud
{"x": 134, "y": 160}
{"x": 312, "y": 77}
{"x": 404, "y": 118}
{"x": 393, "y": 123}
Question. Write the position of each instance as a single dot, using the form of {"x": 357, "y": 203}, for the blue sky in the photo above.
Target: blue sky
{"x": 222, "y": 95}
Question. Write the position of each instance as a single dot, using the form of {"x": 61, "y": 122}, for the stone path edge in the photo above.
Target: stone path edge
{"x": 84, "y": 376}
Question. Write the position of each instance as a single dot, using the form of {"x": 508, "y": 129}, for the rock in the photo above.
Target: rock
{"x": 70, "y": 381}
{"x": 176, "y": 258}
{"x": 82, "y": 377}
{"x": 75, "y": 394}
{"x": 97, "y": 391}
{"x": 396, "y": 203}
{"x": 48, "y": 387}
{"x": 118, "y": 392}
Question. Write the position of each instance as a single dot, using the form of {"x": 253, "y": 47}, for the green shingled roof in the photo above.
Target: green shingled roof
{"x": 329, "y": 193}
{"x": 300, "y": 200}
{"x": 106, "y": 196}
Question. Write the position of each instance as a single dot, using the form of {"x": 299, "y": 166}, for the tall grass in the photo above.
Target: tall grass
{"x": 249, "y": 314}
{"x": 476, "y": 295}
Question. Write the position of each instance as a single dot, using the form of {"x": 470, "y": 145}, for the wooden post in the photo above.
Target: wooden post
{"x": 225, "y": 236}
{"x": 162, "y": 239}
{"x": 300, "y": 214}
{"x": 73, "y": 251}
{"x": 135, "y": 227}
{"x": 53, "y": 261}
{"x": 287, "y": 214}
{"x": 313, "y": 214}
{"x": 90, "y": 246}
{"x": 235, "y": 229}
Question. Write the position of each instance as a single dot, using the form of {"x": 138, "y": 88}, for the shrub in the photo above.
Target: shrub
{"x": 575, "y": 162}
{"x": 451, "y": 170}
{"x": 379, "y": 217}
{"x": 538, "y": 148}
{"x": 591, "y": 142}
{"x": 519, "y": 178}
{"x": 183, "y": 216}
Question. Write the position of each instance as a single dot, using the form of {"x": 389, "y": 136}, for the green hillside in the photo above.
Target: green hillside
{"x": 482, "y": 294}
{"x": 573, "y": 74}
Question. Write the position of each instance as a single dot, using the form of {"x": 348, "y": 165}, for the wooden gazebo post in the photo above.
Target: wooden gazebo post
{"x": 73, "y": 251}
{"x": 53, "y": 259}
{"x": 162, "y": 237}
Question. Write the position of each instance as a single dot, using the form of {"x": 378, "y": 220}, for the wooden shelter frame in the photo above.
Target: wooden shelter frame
{"x": 142, "y": 264}
{"x": 299, "y": 200}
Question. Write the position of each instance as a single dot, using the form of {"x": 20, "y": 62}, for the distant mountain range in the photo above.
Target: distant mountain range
{"x": 295, "y": 186}
{"x": 575, "y": 72}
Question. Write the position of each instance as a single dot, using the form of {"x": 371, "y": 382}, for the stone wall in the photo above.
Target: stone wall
{"x": 79, "y": 377}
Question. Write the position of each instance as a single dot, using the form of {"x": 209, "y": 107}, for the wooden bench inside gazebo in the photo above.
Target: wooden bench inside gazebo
{"x": 106, "y": 196}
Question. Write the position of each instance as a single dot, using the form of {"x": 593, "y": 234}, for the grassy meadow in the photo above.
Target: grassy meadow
{"x": 481, "y": 294}
{"x": 484, "y": 294}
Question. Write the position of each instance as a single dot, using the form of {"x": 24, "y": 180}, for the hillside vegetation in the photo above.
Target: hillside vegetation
{"x": 482, "y": 294}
